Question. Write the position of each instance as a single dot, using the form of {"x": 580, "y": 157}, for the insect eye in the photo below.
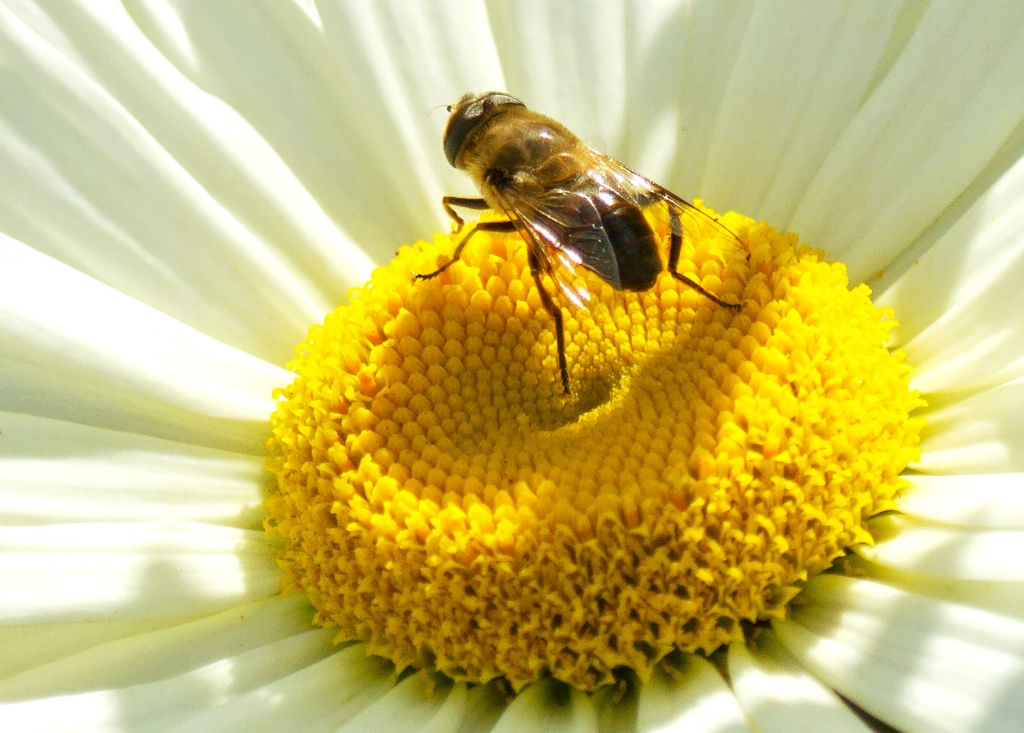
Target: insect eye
{"x": 469, "y": 111}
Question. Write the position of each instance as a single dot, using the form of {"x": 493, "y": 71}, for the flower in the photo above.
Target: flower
{"x": 187, "y": 190}
{"x": 440, "y": 498}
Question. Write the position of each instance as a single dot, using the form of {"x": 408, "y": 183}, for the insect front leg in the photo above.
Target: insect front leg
{"x": 556, "y": 314}
{"x": 674, "y": 252}
{"x": 463, "y": 203}
{"x": 481, "y": 226}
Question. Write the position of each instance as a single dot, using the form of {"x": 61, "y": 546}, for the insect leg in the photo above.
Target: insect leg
{"x": 449, "y": 201}
{"x": 675, "y": 250}
{"x": 480, "y": 226}
{"x": 556, "y": 314}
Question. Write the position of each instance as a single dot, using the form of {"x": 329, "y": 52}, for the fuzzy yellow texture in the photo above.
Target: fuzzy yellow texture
{"x": 439, "y": 498}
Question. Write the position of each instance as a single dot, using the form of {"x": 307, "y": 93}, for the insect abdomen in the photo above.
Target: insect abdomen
{"x": 636, "y": 250}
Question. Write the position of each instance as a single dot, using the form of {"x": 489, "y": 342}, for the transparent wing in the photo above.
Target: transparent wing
{"x": 564, "y": 229}
{"x": 642, "y": 191}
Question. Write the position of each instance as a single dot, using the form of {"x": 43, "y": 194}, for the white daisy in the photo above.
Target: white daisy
{"x": 187, "y": 188}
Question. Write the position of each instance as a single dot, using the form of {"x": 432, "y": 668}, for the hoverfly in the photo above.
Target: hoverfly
{"x": 572, "y": 205}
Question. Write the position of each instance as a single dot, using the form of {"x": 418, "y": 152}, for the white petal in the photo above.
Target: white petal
{"x": 74, "y": 349}
{"x": 616, "y": 707}
{"x": 53, "y": 472}
{"x": 398, "y": 65}
{"x": 921, "y": 137}
{"x": 700, "y": 701}
{"x": 122, "y": 166}
{"x": 680, "y": 60}
{"x": 343, "y": 93}
{"x": 953, "y": 299}
{"x": 321, "y": 697}
{"x": 159, "y": 706}
{"x": 800, "y": 75}
{"x": 236, "y": 670}
{"x": 979, "y": 434}
{"x": 30, "y": 645}
{"x": 107, "y": 711}
{"x": 412, "y": 705}
{"x": 993, "y": 500}
{"x": 71, "y": 572}
{"x": 914, "y": 662}
{"x": 548, "y": 705}
{"x": 954, "y": 552}
{"x": 1004, "y": 599}
{"x": 485, "y": 704}
{"x": 779, "y": 695}
{"x": 587, "y": 93}
{"x": 50, "y": 659}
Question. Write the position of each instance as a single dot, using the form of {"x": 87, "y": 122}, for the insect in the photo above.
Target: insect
{"x": 573, "y": 206}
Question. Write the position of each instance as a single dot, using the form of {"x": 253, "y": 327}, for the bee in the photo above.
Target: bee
{"x": 573, "y": 206}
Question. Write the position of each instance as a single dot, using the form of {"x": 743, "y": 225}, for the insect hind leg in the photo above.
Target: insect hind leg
{"x": 480, "y": 226}
{"x": 556, "y": 315}
{"x": 674, "y": 252}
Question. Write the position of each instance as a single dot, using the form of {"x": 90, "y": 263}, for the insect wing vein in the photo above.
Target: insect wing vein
{"x": 643, "y": 192}
{"x": 567, "y": 223}
{"x": 548, "y": 226}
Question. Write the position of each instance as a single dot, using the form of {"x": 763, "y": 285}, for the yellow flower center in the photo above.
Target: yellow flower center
{"x": 438, "y": 497}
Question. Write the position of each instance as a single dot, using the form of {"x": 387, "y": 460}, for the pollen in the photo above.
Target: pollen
{"x": 440, "y": 498}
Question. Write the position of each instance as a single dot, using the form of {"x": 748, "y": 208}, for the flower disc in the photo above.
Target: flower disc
{"x": 438, "y": 497}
